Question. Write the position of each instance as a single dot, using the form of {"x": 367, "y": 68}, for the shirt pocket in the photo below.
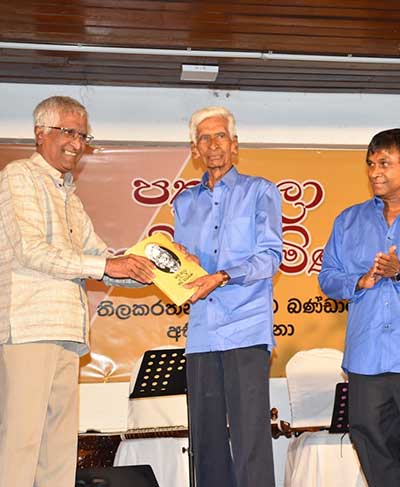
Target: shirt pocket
{"x": 239, "y": 235}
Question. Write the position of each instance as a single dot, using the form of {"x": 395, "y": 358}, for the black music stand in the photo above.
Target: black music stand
{"x": 340, "y": 413}
{"x": 163, "y": 373}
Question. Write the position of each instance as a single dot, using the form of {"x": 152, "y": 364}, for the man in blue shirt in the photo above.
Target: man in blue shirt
{"x": 361, "y": 264}
{"x": 232, "y": 223}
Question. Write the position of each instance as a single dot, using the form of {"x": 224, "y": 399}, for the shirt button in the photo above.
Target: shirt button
{"x": 387, "y": 326}
{"x": 216, "y": 227}
{"x": 216, "y": 203}
{"x": 70, "y": 230}
{"x": 211, "y": 299}
{"x": 215, "y": 251}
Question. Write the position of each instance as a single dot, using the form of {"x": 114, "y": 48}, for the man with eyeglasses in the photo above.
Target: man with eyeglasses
{"x": 48, "y": 248}
{"x": 232, "y": 223}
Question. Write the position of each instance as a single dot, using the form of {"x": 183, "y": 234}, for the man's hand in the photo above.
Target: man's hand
{"x": 368, "y": 280}
{"x": 130, "y": 266}
{"x": 182, "y": 249}
{"x": 387, "y": 265}
{"x": 205, "y": 285}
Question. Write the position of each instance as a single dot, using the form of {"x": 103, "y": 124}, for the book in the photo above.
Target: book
{"x": 173, "y": 269}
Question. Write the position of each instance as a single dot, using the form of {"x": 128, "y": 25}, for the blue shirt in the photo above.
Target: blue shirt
{"x": 373, "y": 326}
{"x": 237, "y": 228}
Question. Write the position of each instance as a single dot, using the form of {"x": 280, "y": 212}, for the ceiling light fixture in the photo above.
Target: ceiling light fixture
{"x": 198, "y": 72}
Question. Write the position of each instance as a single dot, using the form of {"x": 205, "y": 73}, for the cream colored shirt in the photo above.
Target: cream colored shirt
{"x": 48, "y": 247}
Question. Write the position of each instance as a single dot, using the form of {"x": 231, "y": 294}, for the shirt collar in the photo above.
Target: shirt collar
{"x": 377, "y": 202}
{"x": 55, "y": 174}
{"x": 229, "y": 179}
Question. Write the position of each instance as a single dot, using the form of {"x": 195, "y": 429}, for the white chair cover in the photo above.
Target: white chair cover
{"x": 321, "y": 459}
{"x": 312, "y": 376}
{"x": 165, "y": 455}
{"x": 318, "y": 459}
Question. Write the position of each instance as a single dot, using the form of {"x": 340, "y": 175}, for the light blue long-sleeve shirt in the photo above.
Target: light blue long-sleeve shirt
{"x": 373, "y": 326}
{"x": 237, "y": 228}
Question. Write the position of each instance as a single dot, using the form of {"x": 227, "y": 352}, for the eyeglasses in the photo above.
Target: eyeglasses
{"x": 206, "y": 139}
{"x": 72, "y": 133}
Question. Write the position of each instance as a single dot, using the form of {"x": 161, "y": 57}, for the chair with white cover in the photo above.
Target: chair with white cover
{"x": 318, "y": 458}
{"x": 164, "y": 454}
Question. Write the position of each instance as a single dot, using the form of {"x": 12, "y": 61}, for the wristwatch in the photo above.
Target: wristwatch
{"x": 225, "y": 278}
{"x": 396, "y": 277}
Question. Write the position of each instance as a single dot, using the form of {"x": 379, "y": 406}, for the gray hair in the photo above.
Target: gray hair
{"x": 208, "y": 112}
{"x": 47, "y": 112}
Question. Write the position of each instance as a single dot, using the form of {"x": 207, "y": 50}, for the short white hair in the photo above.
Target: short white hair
{"x": 208, "y": 112}
{"x": 47, "y": 112}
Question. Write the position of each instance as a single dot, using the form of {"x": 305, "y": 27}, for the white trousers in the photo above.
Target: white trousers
{"x": 38, "y": 415}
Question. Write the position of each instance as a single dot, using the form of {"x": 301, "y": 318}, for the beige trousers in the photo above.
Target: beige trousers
{"x": 38, "y": 415}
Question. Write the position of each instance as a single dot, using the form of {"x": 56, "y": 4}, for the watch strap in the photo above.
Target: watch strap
{"x": 225, "y": 278}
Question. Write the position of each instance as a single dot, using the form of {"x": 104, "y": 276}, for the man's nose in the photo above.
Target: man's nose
{"x": 213, "y": 142}
{"x": 77, "y": 143}
{"x": 374, "y": 170}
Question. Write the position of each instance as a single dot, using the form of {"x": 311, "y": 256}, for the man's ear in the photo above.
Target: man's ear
{"x": 195, "y": 151}
{"x": 39, "y": 135}
{"x": 235, "y": 145}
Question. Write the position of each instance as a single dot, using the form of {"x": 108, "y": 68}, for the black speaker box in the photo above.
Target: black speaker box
{"x": 128, "y": 476}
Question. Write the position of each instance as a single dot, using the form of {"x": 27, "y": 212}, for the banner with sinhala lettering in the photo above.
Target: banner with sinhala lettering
{"x": 128, "y": 192}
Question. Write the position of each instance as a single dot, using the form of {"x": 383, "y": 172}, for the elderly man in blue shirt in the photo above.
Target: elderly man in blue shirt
{"x": 232, "y": 223}
{"x": 361, "y": 264}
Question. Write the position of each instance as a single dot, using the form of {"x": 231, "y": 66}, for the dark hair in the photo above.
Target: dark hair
{"x": 386, "y": 139}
